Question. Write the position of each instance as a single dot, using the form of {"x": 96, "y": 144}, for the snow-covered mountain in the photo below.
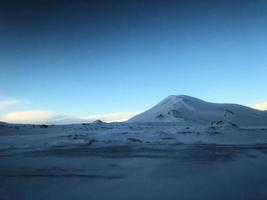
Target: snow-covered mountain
{"x": 181, "y": 108}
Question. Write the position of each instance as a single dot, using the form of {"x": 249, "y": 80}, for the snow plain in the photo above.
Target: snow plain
{"x": 132, "y": 161}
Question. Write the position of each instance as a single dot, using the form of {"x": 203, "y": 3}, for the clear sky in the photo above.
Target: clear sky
{"x": 82, "y": 58}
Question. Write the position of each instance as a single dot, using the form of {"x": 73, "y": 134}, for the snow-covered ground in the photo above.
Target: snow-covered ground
{"x": 133, "y": 161}
{"x": 183, "y": 148}
{"x": 29, "y": 137}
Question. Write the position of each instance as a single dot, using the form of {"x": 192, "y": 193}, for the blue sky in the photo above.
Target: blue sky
{"x": 94, "y": 57}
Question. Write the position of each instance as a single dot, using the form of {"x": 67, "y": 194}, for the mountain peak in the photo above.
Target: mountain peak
{"x": 184, "y": 98}
{"x": 183, "y": 108}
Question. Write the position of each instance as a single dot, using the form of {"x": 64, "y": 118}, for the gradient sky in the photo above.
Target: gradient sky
{"x": 87, "y": 57}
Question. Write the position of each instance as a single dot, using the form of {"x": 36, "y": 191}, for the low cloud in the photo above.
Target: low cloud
{"x": 35, "y": 116}
{"x": 43, "y": 116}
{"x": 260, "y": 106}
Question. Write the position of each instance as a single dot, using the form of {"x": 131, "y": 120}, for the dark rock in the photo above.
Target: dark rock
{"x": 134, "y": 140}
{"x": 160, "y": 116}
{"x": 43, "y": 126}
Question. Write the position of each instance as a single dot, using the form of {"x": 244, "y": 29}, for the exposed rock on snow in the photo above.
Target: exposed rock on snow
{"x": 134, "y": 140}
{"x": 98, "y": 121}
{"x": 43, "y": 126}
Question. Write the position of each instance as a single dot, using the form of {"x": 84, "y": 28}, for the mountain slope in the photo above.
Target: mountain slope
{"x": 183, "y": 108}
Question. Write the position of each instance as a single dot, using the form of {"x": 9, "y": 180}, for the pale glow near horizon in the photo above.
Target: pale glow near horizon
{"x": 43, "y": 116}
{"x": 260, "y": 106}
